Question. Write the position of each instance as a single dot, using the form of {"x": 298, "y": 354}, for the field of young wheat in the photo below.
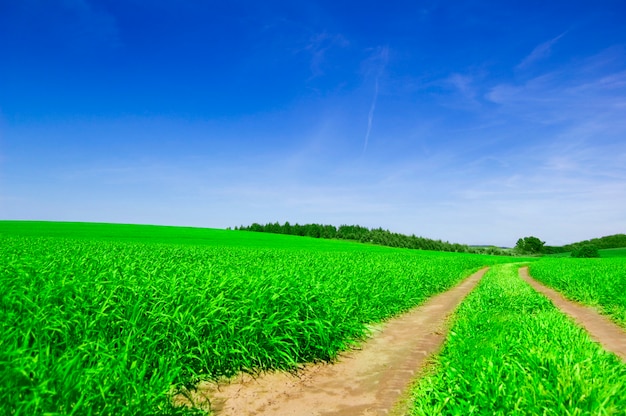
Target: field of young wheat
{"x": 510, "y": 351}
{"x": 111, "y": 319}
{"x": 595, "y": 282}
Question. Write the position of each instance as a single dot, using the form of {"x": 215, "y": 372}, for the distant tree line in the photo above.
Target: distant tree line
{"x": 585, "y": 251}
{"x": 585, "y": 248}
{"x": 610, "y": 241}
{"x": 361, "y": 234}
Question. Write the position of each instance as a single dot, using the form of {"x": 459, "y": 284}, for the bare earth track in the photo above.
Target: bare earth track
{"x": 368, "y": 381}
{"x": 608, "y": 334}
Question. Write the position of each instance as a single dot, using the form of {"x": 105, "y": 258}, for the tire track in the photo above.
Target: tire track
{"x": 611, "y": 336}
{"x": 369, "y": 381}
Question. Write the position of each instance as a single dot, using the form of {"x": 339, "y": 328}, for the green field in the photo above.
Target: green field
{"x": 606, "y": 253}
{"x": 510, "y": 351}
{"x": 111, "y": 319}
{"x": 612, "y": 252}
{"x": 596, "y": 282}
{"x": 114, "y": 319}
{"x": 152, "y": 234}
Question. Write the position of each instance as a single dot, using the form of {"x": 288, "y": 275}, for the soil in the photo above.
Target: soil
{"x": 369, "y": 381}
{"x": 600, "y": 328}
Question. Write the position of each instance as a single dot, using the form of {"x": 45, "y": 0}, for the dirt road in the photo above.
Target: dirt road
{"x": 368, "y": 381}
{"x": 608, "y": 334}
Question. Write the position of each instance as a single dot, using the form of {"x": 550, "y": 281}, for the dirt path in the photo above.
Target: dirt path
{"x": 608, "y": 334}
{"x": 368, "y": 381}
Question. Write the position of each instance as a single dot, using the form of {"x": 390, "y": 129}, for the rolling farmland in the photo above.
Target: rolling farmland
{"x": 119, "y": 319}
{"x": 114, "y": 320}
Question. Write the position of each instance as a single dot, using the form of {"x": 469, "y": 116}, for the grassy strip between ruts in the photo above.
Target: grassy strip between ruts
{"x": 595, "y": 282}
{"x": 510, "y": 351}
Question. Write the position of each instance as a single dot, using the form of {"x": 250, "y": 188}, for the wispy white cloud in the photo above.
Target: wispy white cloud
{"x": 538, "y": 90}
{"x": 562, "y": 173}
{"x": 609, "y": 82}
{"x": 463, "y": 84}
{"x": 542, "y": 51}
{"x": 319, "y": 46}
{"x": 376, "y": 63}
{"x": 590, "y": 93}
{"x": 563, "y": 190}
{"x": 463, "y": 90}
{"x": 370, "y": 116}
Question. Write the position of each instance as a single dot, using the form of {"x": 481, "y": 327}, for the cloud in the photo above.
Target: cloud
{"x": 560, "y": 169}
{"x": 376, "y": 63}
{"x": 559, "y": 209}
{"x": 463, "y": 84}
{"x": 540, "y": 52}
{"x": 586, "y": 93}
{"x": 466, "y": 89}
{"x": 370, "y": 117}
{"x": 538, "y": 88}
{"x": 319, "y": 46}
{"x": 608, "y": 83}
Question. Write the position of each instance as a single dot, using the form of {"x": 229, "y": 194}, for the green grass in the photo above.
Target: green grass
{"x": 595, "y": 282}
{"x": 110, "y": 319}
{"x": 155, "y": 234}
{"x": 604, "y": 253}
{"x": 559, "y": 255}
{"x": 612, "y": 252}
{"x": 511, "y": 352}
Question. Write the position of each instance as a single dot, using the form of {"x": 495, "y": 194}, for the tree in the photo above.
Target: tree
{"x": 529, "y": 245}
{"x": 586, "y": 251}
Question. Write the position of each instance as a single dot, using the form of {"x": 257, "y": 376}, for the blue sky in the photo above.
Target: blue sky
{"x": 477, "y": 122}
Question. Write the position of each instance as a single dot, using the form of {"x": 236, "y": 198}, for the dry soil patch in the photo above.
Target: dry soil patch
{"x": 368, "y": 381}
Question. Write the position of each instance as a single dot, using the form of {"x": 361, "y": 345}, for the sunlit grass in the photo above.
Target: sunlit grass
{"x": 511, "y": 352}
{"x": 116, "y": 322}
{"x": 596, "y": 282}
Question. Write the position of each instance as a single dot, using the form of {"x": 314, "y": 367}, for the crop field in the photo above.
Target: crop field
{"x": 600, "y": 283}
{"x": 612, "y": 252}
{"x": 510, "y": 351}
{"x": 113, "y": 320}
{"x": 604, "y": 253}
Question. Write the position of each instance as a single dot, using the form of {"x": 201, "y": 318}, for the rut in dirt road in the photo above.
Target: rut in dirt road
{"x": 600, "y": 328}
{"x": 368, "y": 381}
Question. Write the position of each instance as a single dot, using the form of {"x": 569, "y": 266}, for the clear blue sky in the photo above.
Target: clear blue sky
{"x": 476, "y": 122}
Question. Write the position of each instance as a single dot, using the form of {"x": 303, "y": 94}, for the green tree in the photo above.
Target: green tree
{"x": 586, "y": 251}
{"x": 529, "y": 245}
